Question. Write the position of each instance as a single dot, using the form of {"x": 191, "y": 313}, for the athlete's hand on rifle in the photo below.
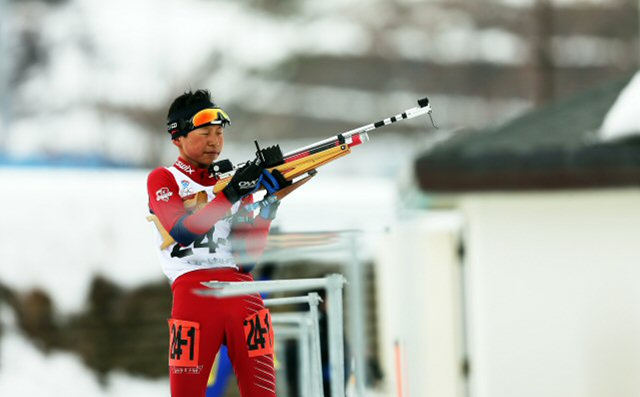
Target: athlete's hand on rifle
{"x": 245, "y": 181}
{"x": 272, "y": 182}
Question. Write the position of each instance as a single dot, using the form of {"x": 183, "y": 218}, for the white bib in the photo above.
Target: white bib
{"x": 212, "y": 250}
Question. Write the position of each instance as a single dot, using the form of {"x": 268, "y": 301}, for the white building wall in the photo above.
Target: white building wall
{"x": 553, "y": 293}
{"x": 418, "y": 298}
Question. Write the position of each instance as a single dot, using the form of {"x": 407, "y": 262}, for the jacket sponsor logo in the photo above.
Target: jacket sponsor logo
{"x": 163, "y": 194}
{"x": 185, "y": 167}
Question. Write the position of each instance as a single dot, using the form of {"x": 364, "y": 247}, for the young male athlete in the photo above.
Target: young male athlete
{"x": 194, "y": 244}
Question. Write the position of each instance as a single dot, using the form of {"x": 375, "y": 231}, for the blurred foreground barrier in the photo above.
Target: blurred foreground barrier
{"x": 332, "y": 284}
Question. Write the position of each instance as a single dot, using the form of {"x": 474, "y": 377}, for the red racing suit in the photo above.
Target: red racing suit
{"x": 203, "y": 251}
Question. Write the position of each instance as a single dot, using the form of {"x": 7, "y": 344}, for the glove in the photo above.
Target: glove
{"x": 273, "y": 181}
{"x": 245, "y": 181}
{"x": 269, "y": 212}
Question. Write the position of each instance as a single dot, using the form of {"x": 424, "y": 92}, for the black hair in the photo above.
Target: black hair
{"x": 189, "y": 99}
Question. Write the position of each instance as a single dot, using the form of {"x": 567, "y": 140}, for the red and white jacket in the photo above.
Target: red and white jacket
{"x": 203, "y": 238}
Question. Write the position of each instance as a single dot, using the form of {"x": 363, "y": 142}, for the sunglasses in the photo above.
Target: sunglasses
{"x": 209, "y": 117}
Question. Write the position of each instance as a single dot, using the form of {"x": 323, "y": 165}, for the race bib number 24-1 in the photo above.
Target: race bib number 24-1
{"x": 259, "y": 333}
{"x": 184, "y": 341}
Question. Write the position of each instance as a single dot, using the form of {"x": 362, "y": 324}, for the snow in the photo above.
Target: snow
{"x": 62, "y": 227}
{"x": 622, "y": 119}
{"x": 74, "y": 130}
{"x": 26, "y": 371}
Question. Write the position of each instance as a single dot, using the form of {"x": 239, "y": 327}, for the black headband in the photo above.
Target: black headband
{"x": 178, "y": 123}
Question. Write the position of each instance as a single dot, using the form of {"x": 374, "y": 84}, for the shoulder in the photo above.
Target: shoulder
{"x": 160, "y": 173}
{"x": 160, "y": 177}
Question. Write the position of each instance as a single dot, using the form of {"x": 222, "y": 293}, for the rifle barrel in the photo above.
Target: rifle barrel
{"x": 422, "y": 109}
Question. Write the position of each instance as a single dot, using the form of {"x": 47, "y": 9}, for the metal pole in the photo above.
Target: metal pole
{"x": 289, "y": 300}
{"x": 305, "y": 357}
{"x": 287, "y": 332}
{"x": 310, "y": 377}
{"x": 298, "y": 319}
{"x": 357, "y": 316}
{"x": 313, "y": 299}
{"x": 336, "y": 334}
{"x": 223, "y": 289}
{"x": 283, "y": 333}
{"x": 332, "y": 284}
{"x": 315, "y": 340}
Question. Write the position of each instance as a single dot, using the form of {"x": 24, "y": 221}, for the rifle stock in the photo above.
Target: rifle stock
{"x": 299, "y": 166}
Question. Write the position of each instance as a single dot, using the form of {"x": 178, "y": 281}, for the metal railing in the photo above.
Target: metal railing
{"x": 333, "y": 285}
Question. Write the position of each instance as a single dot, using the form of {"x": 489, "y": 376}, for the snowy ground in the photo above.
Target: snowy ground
{"x": 26, "y": 371}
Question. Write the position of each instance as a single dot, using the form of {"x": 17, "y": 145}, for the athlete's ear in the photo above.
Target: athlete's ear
{"x": 177, "y": 142}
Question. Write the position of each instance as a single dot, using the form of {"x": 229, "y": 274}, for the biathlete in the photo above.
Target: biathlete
{"x": 201, "y": 249}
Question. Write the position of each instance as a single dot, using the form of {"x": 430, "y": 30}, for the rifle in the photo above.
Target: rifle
{"x": 307, "y": 159}
{"x": 295, "y": 164}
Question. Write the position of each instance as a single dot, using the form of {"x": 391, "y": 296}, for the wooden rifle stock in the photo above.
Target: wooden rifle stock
{"x": 300, "y": 166}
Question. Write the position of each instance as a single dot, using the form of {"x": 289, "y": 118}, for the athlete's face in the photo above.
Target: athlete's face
{"x": 202, "y": 146}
